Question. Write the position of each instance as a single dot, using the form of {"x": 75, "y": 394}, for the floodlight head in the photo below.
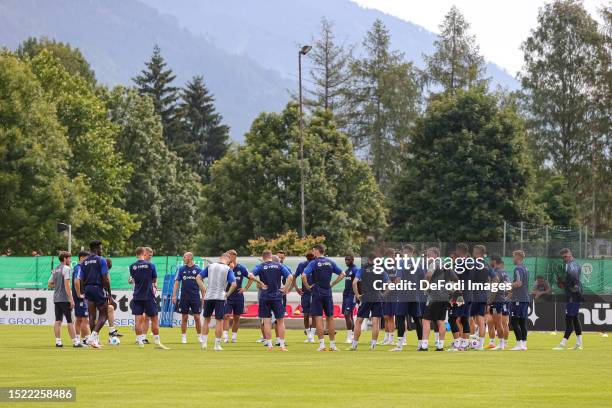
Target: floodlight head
{"x": 304, "y": 50}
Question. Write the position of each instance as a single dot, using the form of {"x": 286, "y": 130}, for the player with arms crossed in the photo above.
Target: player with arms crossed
{"x": 269, "y": 276}
{"x": 409, "y": 305}
{"x": 280, "y": 254}
{"x": 459, "y": 313}
{"x": 305, "y": 298}
{"x": 63, "y": 299}
{"x": 437, "y": 300}
{"x": 190, "y": 302}
{"x": 499, "y": 305}
{"x": 369, "y": 306}
{"x": 321, "y": 269}
{"x": 519, "y": 301}
{"x": 144, "y": 276}
{"x": 80, "y": 304}
{"x": 480, "y": 276}
{"x": 234, "y": 306}
{"x": 573, "y": 297}
{"x": 348, "y": 296}
{"x": 94, "y": 284}
{"x": 219, "y": 275}
{"x": 389, "y": 303}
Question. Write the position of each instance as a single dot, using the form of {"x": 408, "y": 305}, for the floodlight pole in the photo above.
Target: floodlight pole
{"x": 504, "y": 244}
{"x": 303, "y": 51}
{"x": 70, "y": 238}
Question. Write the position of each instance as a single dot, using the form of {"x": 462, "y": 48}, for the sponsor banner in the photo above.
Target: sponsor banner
{"x": 548, "y": 314}
{"x": 35, "y": 307}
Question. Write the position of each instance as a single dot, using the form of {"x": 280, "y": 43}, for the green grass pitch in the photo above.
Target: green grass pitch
{"x": 246, "y": 375}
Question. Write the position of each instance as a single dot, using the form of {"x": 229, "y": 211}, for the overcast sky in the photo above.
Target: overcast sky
{"x": 499, "y": 25}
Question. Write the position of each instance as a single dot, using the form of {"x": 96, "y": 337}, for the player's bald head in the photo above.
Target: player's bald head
{"x": 188, "y": 255}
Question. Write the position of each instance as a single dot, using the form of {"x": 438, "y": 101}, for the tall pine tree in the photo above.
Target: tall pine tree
{"x": 203, "y": 138}
{"x": 563, "y": 61}
{"x": 383, "y": 96}
{"x": 155, "y": 81}
{"x": 456, "y": 61}
{"x": 329, "y": 74}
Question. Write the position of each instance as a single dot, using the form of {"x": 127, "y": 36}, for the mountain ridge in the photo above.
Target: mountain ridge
{"x": 245, "y": 50}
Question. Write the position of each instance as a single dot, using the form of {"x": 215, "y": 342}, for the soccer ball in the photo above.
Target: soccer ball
{"x": 114, "y": 341}
{"x": 474, "y": 343}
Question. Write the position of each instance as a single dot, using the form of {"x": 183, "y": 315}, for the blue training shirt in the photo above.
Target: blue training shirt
{"x": 521, "y": 294}
{"x": 143, "y": 272}
{"x": 240, "y": 273}
{"x": 322, "y": 270}
{"x": 359, "y": 275}
{"x": 300, "y": 270}
{"x": 410, "y": 273}
{"x": 348, "y": 282}
{"x": 271, "y": 274}
{"x": 502, "y": 277}
{"x": 480, "y": 276}
{"x": 75, "y": 274}
{"x": 573, "y": 286}
{"x": 92, "y": 270}
{"x": 186, "y": 275}
{"x": 466, "y": 276}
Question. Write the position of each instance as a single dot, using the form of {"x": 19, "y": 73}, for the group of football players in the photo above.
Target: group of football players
{"x": 218, "y": 289}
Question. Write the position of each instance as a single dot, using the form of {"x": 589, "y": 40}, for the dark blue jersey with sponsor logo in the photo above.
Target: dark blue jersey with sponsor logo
{"x": 350, "y": 272}
{"x": 92, "y": 270}
{"x": 502, "y": 277}
{"x": 480, "y": 277}
{"x": 322, "y": 270}
{"x": 414, "y": 275}
{"x": 271, "y": 274}
{"x": 186, "y": 275}
{"x": 240, "y": 273}
{"x": 75, "y": 274}
{"x": 299, "y": 271}
{"x": 572, "y": 284}
{"x": 521, "y": 294}
{"x": 143, "y": 272}
{"x": 464, "y": 275}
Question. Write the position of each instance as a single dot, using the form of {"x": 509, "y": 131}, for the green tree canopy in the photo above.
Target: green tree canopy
{"x": 329, "y": 73}
{"x": 35, "y": 188}
{"x": 557, "y": 201}
{"x": 467, "y": 171}
{"x": 290, "y": 242}
{"x": 155, "y": 81}
{"x": 92, "y": 138}
{"x": 203, "y": 138}
{"x": 71, "y": 58}
{"x": 456, "y": 61}
{"x": 564, "y": 87}
{"x": 254, "y": 189}
{"x": 162, "y": 192}
{"x": 383, "y": 97}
